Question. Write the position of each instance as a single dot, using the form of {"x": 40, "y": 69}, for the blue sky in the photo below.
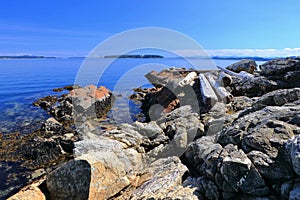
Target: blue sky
{"x": 74, "y": 28}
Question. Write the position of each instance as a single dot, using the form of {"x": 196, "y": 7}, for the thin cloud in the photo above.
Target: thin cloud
{"x": 242, "y": 52}
{"x": 10, "y": 27}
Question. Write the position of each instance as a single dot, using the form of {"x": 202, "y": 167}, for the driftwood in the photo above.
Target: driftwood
{"x": 242, "y": 75}
{"x": 208, "y": 95}
{"x": 222, "y": 93}
{"x": 224, "y": 79}
{"x": 188, "y": 80}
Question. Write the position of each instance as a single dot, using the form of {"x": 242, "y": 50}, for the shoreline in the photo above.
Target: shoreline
{"x": 210, "y": 144}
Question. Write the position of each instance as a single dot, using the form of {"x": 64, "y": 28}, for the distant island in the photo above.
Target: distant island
{"x": 25, "y": 57}
{"x": 134, "y": 56}
{"x": 256, "y": 58}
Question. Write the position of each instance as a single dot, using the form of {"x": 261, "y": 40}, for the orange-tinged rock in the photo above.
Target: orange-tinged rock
{"x": 30, "y": 193}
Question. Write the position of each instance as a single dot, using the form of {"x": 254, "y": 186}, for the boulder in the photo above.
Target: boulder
{"x": 255, "y": 87}
{"x": 204, "y": 188}
{"x": 101, "y": 169}
{"x": 277, "y": 98}
{"x": 181, "y": 126}
{"x": 279, "y": 67}
{"x": 165, "y": 182}
{"x": 81, "y": 104}
{"x": 243, "y": 65}
{"x": 72, "y": 181}
{"x": 294, "y": 148}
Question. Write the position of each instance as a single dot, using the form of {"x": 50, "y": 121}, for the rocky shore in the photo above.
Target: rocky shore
{"x": 232, "y": 133}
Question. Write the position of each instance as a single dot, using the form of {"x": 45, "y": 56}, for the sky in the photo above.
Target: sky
{"x": 74, "y": 28}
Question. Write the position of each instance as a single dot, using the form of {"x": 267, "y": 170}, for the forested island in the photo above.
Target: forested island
{"x": 134, "y": 56}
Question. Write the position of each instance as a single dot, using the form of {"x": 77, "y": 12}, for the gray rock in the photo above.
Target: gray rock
{"x": 295, "y": 193}
{"x": 253, "y": 87}
{"x": 195, "y": 150}
{"x": 205, "y": 188}
{"x": 243, "y": 65}
{"x": 273, "y": 169}
{"x": 249, "y": 122}
{"x": 106, "y": 163}
{"x": 295, "y": 154}
{"x": 235, "y": 166}
{"x": 165, "y": 182}
{"x": 286, "y": 188}
{"x": 277, "y": 98}
{"x": 254, "y": 184}
{"x": 268, "y": 136}
{"x": 72, "y": 181}
{"x": 239, "y": 103}
{"x": 182, "y": 126}
{"x": 280, "y": 66}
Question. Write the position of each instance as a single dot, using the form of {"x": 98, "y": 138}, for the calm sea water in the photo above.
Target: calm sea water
{"x": 22, "y": 81}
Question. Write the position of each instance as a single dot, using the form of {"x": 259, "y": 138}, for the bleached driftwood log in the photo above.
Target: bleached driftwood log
{"x": 222, "y": 93}
{"x": 224, "y": 79}
{"x": 188, "y": 80}
{"x": 242, "y": 75}
{"x": 208, "y": 94}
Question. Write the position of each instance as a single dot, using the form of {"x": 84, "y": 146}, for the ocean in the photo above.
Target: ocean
{"x": 23, "y": 81}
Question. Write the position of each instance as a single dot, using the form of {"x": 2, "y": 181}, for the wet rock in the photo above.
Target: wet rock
{"x": 71, "y": 87}
{"x": 243, "y": 65}
{"x": 46, "y": 102}
{"x": 57, "y": 89}
{"x": 52, "y": 126}
{"x": 42, "y": 148}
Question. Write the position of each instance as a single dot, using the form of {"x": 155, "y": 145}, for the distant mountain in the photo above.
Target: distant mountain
{"x": 25, "y": 57}
{"x": 134, "y": 56}
{"x": 243, "y": 57}
{"x": 256, "y": 58}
